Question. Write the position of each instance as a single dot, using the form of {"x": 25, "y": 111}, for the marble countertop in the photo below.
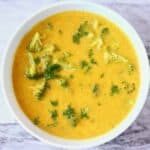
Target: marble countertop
{"x": 12, "y": 14}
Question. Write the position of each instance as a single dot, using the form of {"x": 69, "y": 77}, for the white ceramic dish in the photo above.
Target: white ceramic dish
{"x": 7, "y": 75}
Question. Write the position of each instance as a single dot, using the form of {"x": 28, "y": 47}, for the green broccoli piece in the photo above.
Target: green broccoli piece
{"x": 35, "y": 45}
{"x": 36, "y": 70}
{"x": 40, "y": 90}
{"x": 31, "y": 70}
{"x": 113, "y": 57}
{"x": 81, "y": 32}
{"x": 51, "y": 48}
{"x": 44, "y": 62}
{"x": 51, "y": 71}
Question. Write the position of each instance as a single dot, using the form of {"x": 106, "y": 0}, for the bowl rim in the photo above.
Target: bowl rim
{"x": 9, "y": 95}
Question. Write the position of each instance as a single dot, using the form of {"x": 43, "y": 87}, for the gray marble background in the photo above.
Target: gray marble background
{"x": 12, "y": 135}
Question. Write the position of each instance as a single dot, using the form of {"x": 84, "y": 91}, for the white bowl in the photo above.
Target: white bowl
{"x": 7, "y": 84}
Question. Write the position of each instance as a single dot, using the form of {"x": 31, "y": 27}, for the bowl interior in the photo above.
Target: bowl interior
{"x": 7, "y": 74}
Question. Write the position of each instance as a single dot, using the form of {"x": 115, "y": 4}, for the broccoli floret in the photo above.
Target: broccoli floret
{"x": 44, "y": 62}
{"x": 36, "y": 70}
{"x": 40, "y": 90}
{"x": 35, "y": 44}
{"x": 64, "y": 61}
{"x": 51, "y": 48}
{"x": 31, "y": 70}
{"x": 113, "y": 57}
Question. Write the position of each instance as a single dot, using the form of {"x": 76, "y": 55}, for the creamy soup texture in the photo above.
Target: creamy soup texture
{"x": 76, "y": 75}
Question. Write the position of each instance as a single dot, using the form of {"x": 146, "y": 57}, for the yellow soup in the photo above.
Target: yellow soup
{"x": 76, "y": 75}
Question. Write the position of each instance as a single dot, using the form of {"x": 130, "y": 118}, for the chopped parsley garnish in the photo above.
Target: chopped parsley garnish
{"x": 36, "y": 120}
{"x": 71, "y": 76}
{"x": 54, "y": 114}
{"x": 51, "y": 71}
{"x": 95, "y": 90}
{"x": 37, "y": 60}
{"x": 129, "y": 87}
{"x": 131, "y": 68}
{"x": 114, "y": 89}
{"x": 81, "y": 32}
{"x": 93, "y": 61}
{"x": 104, "y": 31}
{"x": 54, "y": 124}
{"x": 64, "y": 83}
{"x": 54, "y": 102}
{"x": 102, "y": 75}
{"x": 70, "y": 114}
{"x": 50, "y": 25}
{"x": 85, "y": 65}
{"x": 91, "y": 53}
{"x": 84, "y": 113}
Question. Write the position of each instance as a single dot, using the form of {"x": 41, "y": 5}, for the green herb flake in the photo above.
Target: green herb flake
{"x": 54, "y": 124}
{"x": 50, "y": 25}
{"x": 37, "y": 60}
{"x": 102, "y": 75}
{"x": 95, "y": 89}
{"x": 54, "y": 114}
{"x": 36, "y": 120}
{"x": 129, "y": 87}
{"x": 71, "y": 76}
{"x": 81, "y": 32}
{"x": 104, "y": 31}
{"x": 91, "y": 53}
{"x": 70, "y": 114}
{"x": 114, "y": 89}
{"x": 131, "y": 69}
{"x": 54, "y": 102}
{"x": 85, "y": 65}
{"x": 64, "y": 83}
{"x": 93, "y": 61}
{"x": 51, "y": 71}
{"x": 84, "y": 113}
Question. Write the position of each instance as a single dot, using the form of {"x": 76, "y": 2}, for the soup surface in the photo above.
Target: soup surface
{"x": 76, "y": 75}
